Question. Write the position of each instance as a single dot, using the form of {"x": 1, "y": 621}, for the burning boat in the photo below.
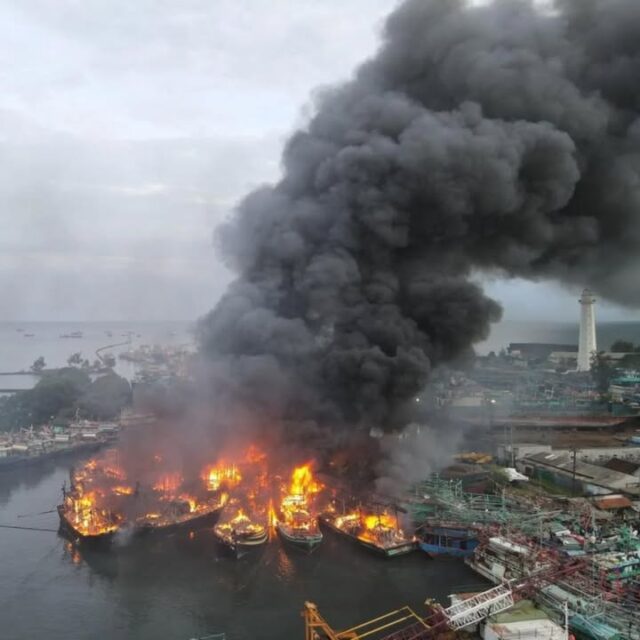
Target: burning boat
{"x": 180, "y": 513}
{"x": 297, "y": 524}
{"x": 378, "y": 532}
{"x": 169, "y": 506}
{"x": 299, "y": 527}
{"x": 101, "y": 500}
{"x": 83, "y": 520}
{"x": 241, "y": 533}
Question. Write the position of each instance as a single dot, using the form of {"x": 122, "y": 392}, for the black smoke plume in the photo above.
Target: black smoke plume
{"x": 502, "y": 138}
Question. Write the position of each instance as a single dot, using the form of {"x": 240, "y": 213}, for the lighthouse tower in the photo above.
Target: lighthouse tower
{"x": 587, "y": 330}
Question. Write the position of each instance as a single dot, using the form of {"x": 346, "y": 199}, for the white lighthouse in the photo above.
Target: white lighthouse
{"x": 587, "y": 330}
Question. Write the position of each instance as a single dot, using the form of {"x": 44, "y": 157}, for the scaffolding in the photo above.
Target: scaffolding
{"x": 439, "y": 499}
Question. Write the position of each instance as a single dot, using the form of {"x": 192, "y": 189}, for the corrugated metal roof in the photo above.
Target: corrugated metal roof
{"x": 586, "y": 472}
{"x": 613, "y": 502}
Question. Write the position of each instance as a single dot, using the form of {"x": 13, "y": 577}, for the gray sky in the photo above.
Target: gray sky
{"x": 129, "y": 129}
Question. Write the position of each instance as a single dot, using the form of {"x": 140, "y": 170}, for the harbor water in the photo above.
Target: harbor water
{"x": 21, "y": 343}
{"x": 181, "y": 586}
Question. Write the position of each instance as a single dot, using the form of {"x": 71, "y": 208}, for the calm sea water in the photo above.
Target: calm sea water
{"x": 180, "y": 586}
{"x": 18, "y": 352}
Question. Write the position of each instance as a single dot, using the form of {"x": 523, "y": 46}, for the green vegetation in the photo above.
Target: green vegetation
{"x": 75, "y": 359}
{"x": 105, "y": 397}
{"x": 38, "y": 365}
{"x": 601, "y": 371}
{"x": 59, "y": 394}
{"x": 632, "y": 358}
{"x": 622, "y": 346}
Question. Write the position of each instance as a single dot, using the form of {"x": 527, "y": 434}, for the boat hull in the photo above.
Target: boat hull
{"x": 307, "y": 542}
{"x": 385, "y": 552}
{"x": 484, "y": 571}
{"x": 199, "y": 520}
{"x": 240, "y": 546}
{"x": 436, "y": 550}
{"x": 448, "y": 541}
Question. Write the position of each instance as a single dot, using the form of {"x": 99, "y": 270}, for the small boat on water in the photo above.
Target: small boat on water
{"x": 378, "y": 533}
{"x": 447, "y": 540}
{"x": 241, "y": 534}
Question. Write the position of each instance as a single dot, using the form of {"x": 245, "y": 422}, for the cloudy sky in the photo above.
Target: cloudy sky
{"x": 129, "y": 129}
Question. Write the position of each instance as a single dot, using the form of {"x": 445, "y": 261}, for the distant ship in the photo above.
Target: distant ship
{"x": 73, "y": 334}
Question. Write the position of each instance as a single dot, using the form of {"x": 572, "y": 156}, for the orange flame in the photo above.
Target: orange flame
{"x": 383, "y": 520}
{"x": 220, "y": 474}
{"x": 115, "y": 472}
{"x": 123, "y": 490}
{"x": 303, "y": 482}
{"x": 253, "y": 455}
{"x": 193, "y": 503}
{"x": 295, "y": 506}
{"x": 168, "y": 483}
{"x": 273, "y": 518}
{"x": 86, "y": 517}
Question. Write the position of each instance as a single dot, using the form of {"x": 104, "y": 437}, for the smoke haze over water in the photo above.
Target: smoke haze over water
{"x": 501, "y": 138}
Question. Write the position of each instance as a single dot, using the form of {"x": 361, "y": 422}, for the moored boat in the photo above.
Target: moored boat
{"x": 301, "y": 530}
{"x": 500, "y": 558}
{"x": 178, "y": 514}
{"x": 81, "y": 520}
{"x": 448, "y": 540}
{"x": 241, "y": 534}
{"x": 298, "y": 524}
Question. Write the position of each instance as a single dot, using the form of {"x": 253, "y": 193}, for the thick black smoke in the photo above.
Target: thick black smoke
{"x": 501, "y": 138}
